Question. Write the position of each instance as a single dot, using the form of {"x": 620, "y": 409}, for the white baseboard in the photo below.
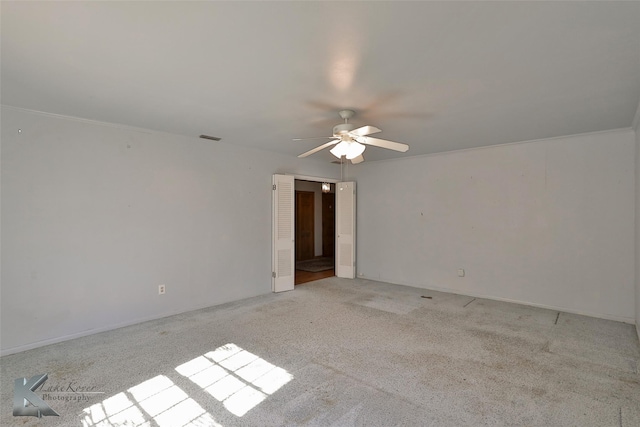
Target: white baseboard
{"x": 55, "y": 340}
{"x": 605, "y": 316}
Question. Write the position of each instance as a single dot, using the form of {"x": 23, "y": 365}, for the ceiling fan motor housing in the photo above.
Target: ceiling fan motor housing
{"x": 343, "y": 129}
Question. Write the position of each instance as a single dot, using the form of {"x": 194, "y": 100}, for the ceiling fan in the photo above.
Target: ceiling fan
{"x": 350, "y": 142}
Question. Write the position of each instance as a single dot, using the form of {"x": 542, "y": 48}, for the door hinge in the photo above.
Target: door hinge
{"x": 273, "y": 274}
{"x": 274, "y": 187}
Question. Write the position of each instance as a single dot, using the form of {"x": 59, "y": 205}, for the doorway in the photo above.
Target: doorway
{"x": 314, "y": 231}
{"x": 283, "y": 230}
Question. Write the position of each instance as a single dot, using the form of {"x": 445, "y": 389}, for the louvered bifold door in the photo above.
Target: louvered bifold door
{"x": 346, "y": 230}
{"x": 283, "y": 233}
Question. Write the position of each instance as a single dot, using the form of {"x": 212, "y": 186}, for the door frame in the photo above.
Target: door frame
{"x": 312, "y": 178}
{"x": 302, "y": 178}
{"x": 321, "y": 180}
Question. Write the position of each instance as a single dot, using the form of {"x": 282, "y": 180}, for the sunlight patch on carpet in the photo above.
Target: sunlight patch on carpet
{"x": 237, "y": 378}
{"x": 158, "y": 398}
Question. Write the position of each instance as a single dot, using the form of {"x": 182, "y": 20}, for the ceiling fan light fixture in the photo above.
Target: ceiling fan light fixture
{"x": 350, "y": 149}
{"x": 355, "y": 149}
{"x": 340, "y": 149}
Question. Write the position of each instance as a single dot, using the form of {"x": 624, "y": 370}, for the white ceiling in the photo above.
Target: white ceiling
{"x": 439, "y": 76}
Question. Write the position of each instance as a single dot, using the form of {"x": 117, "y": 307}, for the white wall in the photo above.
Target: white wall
{"x": 544, "y": 223}
{"x": 95, "y": 217}
{"x": 637, "y": 252}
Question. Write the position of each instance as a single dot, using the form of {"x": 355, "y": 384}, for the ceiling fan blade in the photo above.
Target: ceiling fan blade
{"x": 365, "y": 130}
{"x": 313, "y": 137}
{"x": 358, "y": 159}
{"x": 322, "y": 147}
{"x": 383, "y": 143}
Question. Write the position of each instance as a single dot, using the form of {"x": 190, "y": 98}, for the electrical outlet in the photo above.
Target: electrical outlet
{"x": 461, "y": 272}
{"x": 161, "y": 290}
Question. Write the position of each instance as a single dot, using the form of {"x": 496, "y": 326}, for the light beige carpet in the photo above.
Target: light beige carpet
{"x": 343, "y": 353}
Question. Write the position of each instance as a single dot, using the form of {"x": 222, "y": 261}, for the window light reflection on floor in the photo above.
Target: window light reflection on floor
{"x": 158, "y": 398}
{"x": 237, "y": 378}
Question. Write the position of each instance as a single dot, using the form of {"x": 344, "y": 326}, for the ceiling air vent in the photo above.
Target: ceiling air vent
{"x": 213, "y": 138}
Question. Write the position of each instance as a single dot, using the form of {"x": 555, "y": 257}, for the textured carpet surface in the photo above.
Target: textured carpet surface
{"x": 342, "y": 353}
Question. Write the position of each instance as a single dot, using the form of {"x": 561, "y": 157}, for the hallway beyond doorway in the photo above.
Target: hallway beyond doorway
{"x": 307, "y": 276}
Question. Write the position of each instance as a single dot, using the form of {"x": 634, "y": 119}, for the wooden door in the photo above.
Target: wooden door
{"x": 328, "y": 224}
{"x": 283, "y": 233}
{"x": 346, "y": 224}
{"x": 304, "y": 225}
